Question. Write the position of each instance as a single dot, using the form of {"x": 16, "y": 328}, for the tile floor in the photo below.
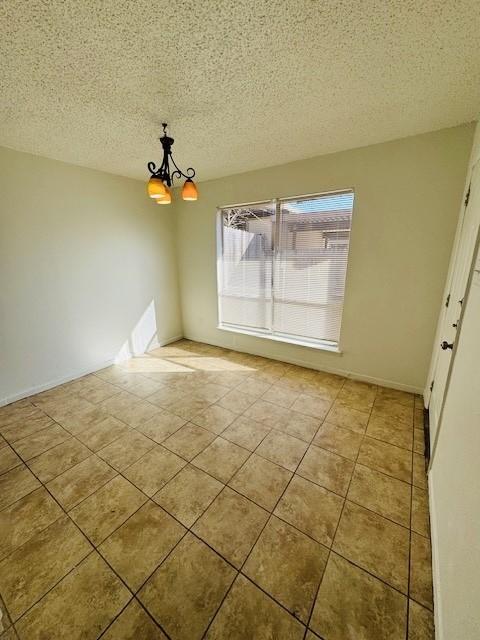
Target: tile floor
{"x": 203, "y": 493}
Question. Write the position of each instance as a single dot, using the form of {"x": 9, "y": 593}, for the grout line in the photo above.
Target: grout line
{"x": 409, "y": 553}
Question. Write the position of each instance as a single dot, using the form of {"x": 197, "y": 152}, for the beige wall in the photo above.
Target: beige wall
{"x": 407, "y": 195}
{"x": 87, "y": 269}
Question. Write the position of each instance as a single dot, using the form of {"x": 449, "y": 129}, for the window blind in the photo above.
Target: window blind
{"x": 245, "y": 266}
{"x": 282, "y": 266}
{"x": 310, "y": 266}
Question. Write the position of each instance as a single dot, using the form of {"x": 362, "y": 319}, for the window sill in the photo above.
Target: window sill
{"x": 322, "y": 346}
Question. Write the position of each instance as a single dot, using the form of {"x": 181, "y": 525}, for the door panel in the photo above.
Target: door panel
{"x": 459, "y": 279}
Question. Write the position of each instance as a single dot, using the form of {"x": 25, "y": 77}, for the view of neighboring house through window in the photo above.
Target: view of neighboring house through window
{"x": 282, "y": 267}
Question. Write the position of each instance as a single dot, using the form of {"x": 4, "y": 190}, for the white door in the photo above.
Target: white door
{"x": 454, "y": 480}
{"x": 458, "y": 283}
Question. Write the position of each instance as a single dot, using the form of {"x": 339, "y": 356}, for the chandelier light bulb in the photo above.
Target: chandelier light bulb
{"x": 189, "y": 190}
{"x": 167, "y": 198}
{"x": 156, "y": 189}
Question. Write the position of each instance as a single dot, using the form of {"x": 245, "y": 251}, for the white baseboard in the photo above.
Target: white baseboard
{"x": 435, "y": 563}
{"x": 390, "y": 384}
{"x": 169, "y": 341}
{"x": 73, "y": 375}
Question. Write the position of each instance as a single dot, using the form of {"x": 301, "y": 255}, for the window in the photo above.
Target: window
{"x": 282, "y": 267}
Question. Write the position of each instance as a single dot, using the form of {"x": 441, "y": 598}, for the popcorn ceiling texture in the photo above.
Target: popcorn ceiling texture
{"x": 244, "y": 84}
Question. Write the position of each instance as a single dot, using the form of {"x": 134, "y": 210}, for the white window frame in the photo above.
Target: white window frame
{"x": 323, "y": 345}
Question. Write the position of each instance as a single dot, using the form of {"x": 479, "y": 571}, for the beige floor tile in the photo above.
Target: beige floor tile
{"x": 261, "y": 481}
{"x": 8, "y": 459}
{"x": 327, "y": 469}
{"x": 357, "y": 399}
{"x": 9, "y": 634}
{"x": 39, "y": 442}
{"x": 188, "y": 407}
{"x": 420, "y": 622}
{"x": 231, "y": 525}
{"x": 107, "y": 509}
{"x": 395, "y": 395}
{"x": 353, "y": 605}
{"x": 136, "y": 413}
{"x": 79, "y": 482}
{"x": 312, "y": 406}
{"x": 390, "y": 430}
{"x": 292, "y": 382}
{"x": 391, "y": 409}
{"x": 383, "y": 494}
{"x": 134, "y": 624}
{"x": 419, "y": 475}
{"x": 236, "y": 401}
{"x": 375, "y": 544}
{"x": 210, "y": 392}
{"x": 254, "y": 387}
{"x": 281, "y": 395}
{"x": 25, "y": 518}
{"x": 221, "y": 459}
{"x": 17, "y": 412}
{"x": 98, "y": 394}
{"x": 419, "y": 441}
{"x": 27, "y": 427}
{"x": 342, "y": 415}
{"x": 299, "y": 425}
{"x": 136, "y": 548}
{"x": 82, "y": 605}
{"x": 55, "y": 461}
{"x": 65, "y": 404}
{"x": 77, "y": 421}
{"x": 126, "y": 450}
{"x": 16, "y": 484}
{"x": 140, "y": 386}
{"x": 215, "y": 418}
{"x": 282, "y": 449}
{"x": 267, "y": 413}
{"x": 249, "y": 613}
{"x": 189, "y": 440}
{"x": 387, "y": 458}
{"x": 420, "y": 512}
{"x": 419, "y": 418}
{"x": 154, "y": 469}
{"x": 188, "y": 494}
{"x": 191, "y": 582}
{"x": 33, "y": 569}
{"x": 311, "y": 509}
{"x": 421, "y": 588}
{"x": 246, "y": 432}
{"x": 288, "y": 565}
{"x": 341, "y": 441}
{"x": 166, "y": 396}
{"x": 161, "y": 426}
{"x": 100, "y": 434}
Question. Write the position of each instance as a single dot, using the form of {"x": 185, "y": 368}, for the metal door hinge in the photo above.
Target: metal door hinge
{"x": 447, "y": 301}
{"x": 467, "y": 196}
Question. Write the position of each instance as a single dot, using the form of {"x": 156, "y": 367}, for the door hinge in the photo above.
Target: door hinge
{"x": 431, "y": 385}
{"x": 467, "y": 196}
{"x": 447, "y": 301}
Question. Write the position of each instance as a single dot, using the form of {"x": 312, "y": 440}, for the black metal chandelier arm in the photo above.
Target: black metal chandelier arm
{"x": 152, "y": 167}
{"x": 190, "y": 172}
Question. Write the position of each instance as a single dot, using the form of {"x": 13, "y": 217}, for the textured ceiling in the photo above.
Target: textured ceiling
{"x": 244, "y": 84}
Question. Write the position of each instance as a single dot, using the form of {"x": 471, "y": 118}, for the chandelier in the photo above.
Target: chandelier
{"x": 161, "y": 179}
